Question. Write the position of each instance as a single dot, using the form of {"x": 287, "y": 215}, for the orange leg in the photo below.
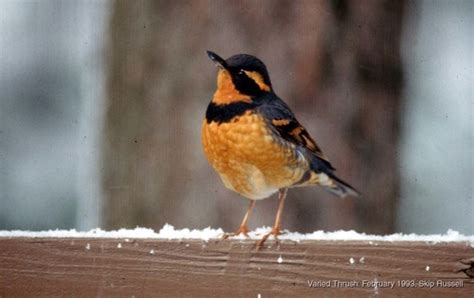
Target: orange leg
{"x": 243, "y": 226}
{"x": 276, "y": 230}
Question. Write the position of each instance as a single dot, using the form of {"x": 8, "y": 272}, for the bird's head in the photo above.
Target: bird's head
{"x": 240, "y": 77}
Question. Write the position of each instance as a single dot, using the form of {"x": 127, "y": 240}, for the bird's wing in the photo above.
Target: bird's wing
{"x": 282, "y": 119}
{"x": 284, "y": 123}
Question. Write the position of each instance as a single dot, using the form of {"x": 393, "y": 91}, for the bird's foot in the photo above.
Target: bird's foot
{"x": 275, "y": 232}
{"x": 241, "y": 230}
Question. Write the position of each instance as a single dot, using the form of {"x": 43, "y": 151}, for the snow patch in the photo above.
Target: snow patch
{"x": 169, "y": 232}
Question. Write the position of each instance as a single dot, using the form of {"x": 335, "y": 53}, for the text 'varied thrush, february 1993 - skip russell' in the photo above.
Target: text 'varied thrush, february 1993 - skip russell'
{"x": 253, "y": 140}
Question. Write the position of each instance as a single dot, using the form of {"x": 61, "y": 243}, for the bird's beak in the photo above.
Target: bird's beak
{"x": 218, "y": 61}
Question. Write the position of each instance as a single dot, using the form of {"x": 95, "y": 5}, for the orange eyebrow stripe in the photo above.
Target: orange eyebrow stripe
{"x": 258, "y": 79}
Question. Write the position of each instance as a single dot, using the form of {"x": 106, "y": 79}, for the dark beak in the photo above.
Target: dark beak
{"x": 218, "y": 61}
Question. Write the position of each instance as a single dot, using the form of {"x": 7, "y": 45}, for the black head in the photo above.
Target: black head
{"x": 249, "y": 75}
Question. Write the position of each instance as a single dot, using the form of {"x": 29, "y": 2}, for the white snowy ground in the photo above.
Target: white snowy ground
{"x": 169, "y": 232}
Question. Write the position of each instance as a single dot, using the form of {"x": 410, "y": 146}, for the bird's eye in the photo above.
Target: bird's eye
{"x": 241, "y": 72}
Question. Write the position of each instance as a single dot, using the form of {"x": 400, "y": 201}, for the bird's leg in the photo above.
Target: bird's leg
{"x": 276, "y": 230}
{"x": 243, "y": 229}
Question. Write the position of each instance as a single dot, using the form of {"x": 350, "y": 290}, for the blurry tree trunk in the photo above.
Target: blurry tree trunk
{"x": 336, "y": 63}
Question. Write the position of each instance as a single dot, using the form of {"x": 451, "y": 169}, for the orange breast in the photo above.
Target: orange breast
{"x": 249, "y": 158}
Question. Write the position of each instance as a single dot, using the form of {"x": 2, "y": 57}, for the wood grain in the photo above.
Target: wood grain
{"x": 161, "y": 268}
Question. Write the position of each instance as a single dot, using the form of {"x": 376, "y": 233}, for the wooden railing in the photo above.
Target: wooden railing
{"x": 166, "y": 268}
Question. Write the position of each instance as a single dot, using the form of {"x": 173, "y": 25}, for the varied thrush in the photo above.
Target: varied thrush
{"x": 253, "y": 140}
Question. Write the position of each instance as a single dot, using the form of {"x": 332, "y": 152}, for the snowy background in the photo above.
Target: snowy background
{"x": 52, "y": 65}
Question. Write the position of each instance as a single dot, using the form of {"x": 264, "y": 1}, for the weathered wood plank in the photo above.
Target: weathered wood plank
{"x": 110, "y": 267}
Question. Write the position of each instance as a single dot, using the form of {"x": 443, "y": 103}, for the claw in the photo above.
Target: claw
{"x": 242, "y": 230}
{"x": 276, "y": 227}
{"x": 275, "y": 232}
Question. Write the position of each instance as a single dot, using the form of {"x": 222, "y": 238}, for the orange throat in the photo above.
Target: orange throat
{"x": 226, "y": 92}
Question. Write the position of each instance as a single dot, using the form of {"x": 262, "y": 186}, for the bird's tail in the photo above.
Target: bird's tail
{"x": 340, "y": 188}
{"x": 322, "y": 173}
{"x": 331, "y": 183}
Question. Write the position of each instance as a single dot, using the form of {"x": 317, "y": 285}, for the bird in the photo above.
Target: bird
{"x": 254, "y": 142}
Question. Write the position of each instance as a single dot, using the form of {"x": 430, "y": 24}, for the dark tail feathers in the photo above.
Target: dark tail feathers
{"x": 335, "y": 186}
{"x": 340, "y": 188}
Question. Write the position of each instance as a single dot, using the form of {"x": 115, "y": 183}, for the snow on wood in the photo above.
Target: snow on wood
{"x": 88, "y": 267}
{"x": 169, "y": 232}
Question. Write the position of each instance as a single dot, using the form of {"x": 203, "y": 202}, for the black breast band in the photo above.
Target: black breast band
{"x": 226, "y": 112}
